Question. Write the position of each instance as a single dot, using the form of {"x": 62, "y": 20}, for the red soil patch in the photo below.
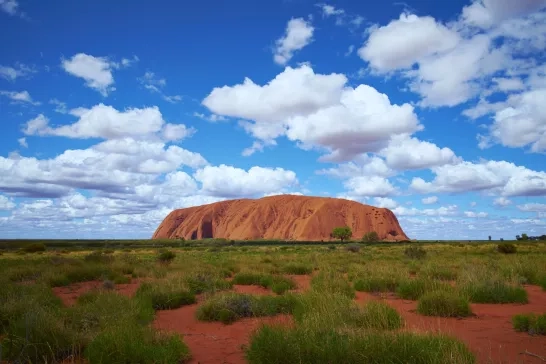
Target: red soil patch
{"x": 213, "y": 342}
{"x": 303, "y": 282}
{"x": 251, "y": 289}
{"x": 489, "y": 334}
{"x": 69, "y": 294}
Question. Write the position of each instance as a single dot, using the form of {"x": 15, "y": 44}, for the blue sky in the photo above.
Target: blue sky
{"x": 115, "y": 113}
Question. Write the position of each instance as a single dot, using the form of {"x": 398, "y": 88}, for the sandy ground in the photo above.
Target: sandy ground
{"x": 489, "y": 334}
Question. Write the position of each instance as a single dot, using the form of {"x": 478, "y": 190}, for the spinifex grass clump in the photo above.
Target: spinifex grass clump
{"x": 97, "y": 310}
{"x": 444, "y": 303}
{"x": 415, "y": 252}
{"x": 166, "y": 295}
{"x": 166, "y": 256}
{"x": 16, "y": 300}
{"x": 201, "y": 282}
{"x": 437, "y": 271}
{"x": 297, "y": 268}
{"x": 282, "y": 284}
{"x": 530, "y": 323}
{"x": 230, "y": 307}
{"x": 507, "y": 248}
{"x": 495, "y": 292}
{"x": 324, "y": 310}
{"x": 329, "y": 282}
{"x": 251, "y": 278}
{"x": 280, "y": 345}
{"x": 413, "y": 289}
{"x": 136, "y": 344}
{"x": 40, "y": 336}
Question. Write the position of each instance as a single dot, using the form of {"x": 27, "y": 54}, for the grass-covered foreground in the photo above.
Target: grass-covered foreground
{"x": 328, "y": 325}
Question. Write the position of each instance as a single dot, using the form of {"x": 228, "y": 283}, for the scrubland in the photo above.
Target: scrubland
{"x": 343, "y": 303}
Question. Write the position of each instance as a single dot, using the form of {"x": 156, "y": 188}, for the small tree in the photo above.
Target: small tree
{"x": 370, "y": 237}
{"x": 342, "y": 233}
{"x": 489, "y": 237}
{"x": 524, "y": 237}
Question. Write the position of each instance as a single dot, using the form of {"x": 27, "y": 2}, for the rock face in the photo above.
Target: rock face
{"x": 285, "y": 217}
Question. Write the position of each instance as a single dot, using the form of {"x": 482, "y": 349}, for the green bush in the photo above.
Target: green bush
{"x": 282, "y": 284}
{"x": 330, "y": 282}
{"x": 98, "y": 310}
{"x": 250, "y": 278}
{"x": 206, "y": 282}
{"x": 415, "y": 252}
{"x": 353, "y": 248}
{"x": 506, "y": 248}
{"x": 444, "y": 304}
{"x": 413, "y": 289}
{"x": 230, "y": 307}
{"x": 380, "y": 316}
{"x": 34, "y": 248}
{"x": 530, "y": 323}
{"x": 376, "y": 284}
{"x": 136, "y": 344}
{"x": 297, "y": 269}
{"x": 98, "y": 257}
{"x": 39, "y": 336}
{"x": 166, "y": 256}
{"x": 370, "y": 237}
{"x": 495, "y": 292}
{"x": 165, "y": 296}
{"x": 280, "y": 345}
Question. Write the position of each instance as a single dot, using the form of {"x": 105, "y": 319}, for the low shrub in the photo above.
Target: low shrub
{"x": 444, "y": 304}
{"x": 40, "y": 336}
{"x": 206, "y": 282}
{"x": 495, "y": 292}
{"x": 415, "y": 252}
{"x": 380, "y": 316}
{"x": 376, "y": 283}
{"x": 230, "y": 307}
{"x": 506, "y": 248}
{"x": 353, "y": 248}
{"x": 413, "y": 289}
{"x": 530, "y": 323}
{"x": 165, "y": 296}
{"x": 98, "y": 257}
{"x": 108, "y": 285}
{"x": 277, "y": 344}
{"x": 34, "y": 248}
{"x": 282, "y": 284}
{"x": 330, "y": 282}
{"x": 435, "y": 271}
{"x": 297, "y": 269}
{"x": 136, "y": 344}
{"x": 166, "y": 256}
{"x": 250, "y": 278}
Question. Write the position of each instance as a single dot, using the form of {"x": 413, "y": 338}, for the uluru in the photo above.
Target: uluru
{"x": 283, "y": 217}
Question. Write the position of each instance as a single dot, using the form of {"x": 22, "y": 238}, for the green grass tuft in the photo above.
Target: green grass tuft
{"x": 136, "y": 344}
{"x": 278, "y": 345}
{"x": 495, "y": 292}
{"x": 530, "y": 323}
{"x": 297, "y": 269}
{"x": 444, "y": 304}
{"x": 164, "y": 296}
{"x": 230, "y": 307}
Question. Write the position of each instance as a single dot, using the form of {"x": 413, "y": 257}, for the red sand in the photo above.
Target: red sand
{"x": 213, "y": 342}
{"x": 69, "y": 294}
{"x": 489, "y": 335}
